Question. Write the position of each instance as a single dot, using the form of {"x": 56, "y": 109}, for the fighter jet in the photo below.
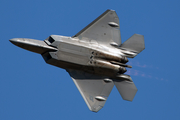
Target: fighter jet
{"x": 94, "y": 58}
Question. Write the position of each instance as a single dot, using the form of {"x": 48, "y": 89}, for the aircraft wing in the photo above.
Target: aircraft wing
{"x": 93, "y": 88}
{"x": 104, "y": 29}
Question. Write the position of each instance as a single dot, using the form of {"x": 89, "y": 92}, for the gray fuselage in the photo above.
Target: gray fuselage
{"x": 76, "y": 54}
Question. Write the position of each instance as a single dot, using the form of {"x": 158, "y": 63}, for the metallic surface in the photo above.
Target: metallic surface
{"x": 94, "y": 58}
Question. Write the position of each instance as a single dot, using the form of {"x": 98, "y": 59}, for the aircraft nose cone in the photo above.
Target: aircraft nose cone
{"x": 32, "y": 45}
{"x": 15, "y": 41}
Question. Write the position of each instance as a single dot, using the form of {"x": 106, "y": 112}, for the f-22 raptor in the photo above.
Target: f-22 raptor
{"x": 94, "y": 58}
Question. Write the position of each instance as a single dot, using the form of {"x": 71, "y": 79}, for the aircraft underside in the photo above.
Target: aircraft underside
{"x": 95, "y": 58}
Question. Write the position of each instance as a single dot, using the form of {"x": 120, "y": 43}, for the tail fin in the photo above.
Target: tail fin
{"x": 135, "y": 43}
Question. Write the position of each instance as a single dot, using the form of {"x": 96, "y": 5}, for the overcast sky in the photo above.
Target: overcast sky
{"x": 30, "y": 89}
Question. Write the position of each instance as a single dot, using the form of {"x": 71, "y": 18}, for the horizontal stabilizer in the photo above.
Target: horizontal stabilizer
{"x": 135, "y": 43}
{"x": 127, "y": 89}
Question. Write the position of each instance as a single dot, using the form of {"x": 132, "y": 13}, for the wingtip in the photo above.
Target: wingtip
{"x": 96, "y": 109}
{"x": 110, "y": 10}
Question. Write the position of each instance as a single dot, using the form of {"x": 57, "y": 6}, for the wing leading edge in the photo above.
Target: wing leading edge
{"x": 104, "y": 29}
{"x": 93, "y": 88}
